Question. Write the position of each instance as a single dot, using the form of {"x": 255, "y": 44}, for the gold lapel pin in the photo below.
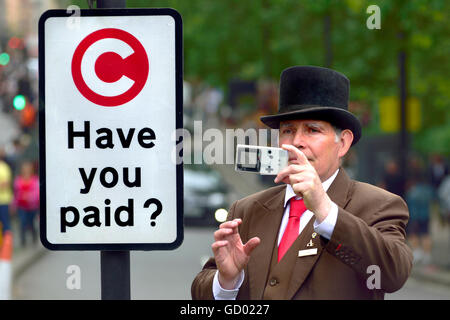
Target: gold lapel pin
{"x": 310, "y": 243}
{"x": 314, "y": 235}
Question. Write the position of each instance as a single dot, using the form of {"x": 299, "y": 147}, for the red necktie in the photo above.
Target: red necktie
{"x": 292, "y": 228}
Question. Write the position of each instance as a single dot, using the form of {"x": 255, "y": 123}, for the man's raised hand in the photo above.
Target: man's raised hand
{"x": 230, "y": 253}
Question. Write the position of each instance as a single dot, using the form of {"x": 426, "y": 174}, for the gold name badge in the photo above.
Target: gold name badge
{"x": 307, "y": 252}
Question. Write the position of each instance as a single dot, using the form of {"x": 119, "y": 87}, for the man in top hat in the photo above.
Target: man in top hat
{"x": 318, "y": 235}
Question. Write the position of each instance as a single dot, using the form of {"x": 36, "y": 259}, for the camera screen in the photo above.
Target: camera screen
{"x": 248, "y": 159}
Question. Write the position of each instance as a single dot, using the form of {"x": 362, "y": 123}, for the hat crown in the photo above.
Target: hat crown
{"x": 310, "y": 92}
{"x": 312, "y": 86}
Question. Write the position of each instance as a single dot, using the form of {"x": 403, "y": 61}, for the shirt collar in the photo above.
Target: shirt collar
{"x": 290, "y": 192}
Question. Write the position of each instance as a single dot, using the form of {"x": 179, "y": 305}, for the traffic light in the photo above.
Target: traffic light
{"x": 19, "y": 102}
{"x": 4, "y": 59}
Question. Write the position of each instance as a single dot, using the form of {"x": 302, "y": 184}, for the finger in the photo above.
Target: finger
{"x": 236, "y": 224}
{"x": 226, "y": 224}
{"x": 289, "y": 170}
{"x": 282, "y": 176}
{"x": 218, "y": 247}
{"x": 233, "y": 224}
{"x": 301, "y": 177}
{"x": 222, "y": 233}
{"x": 284, "y": 180}
{"x": 301, "y": 158}
{"x": 219, "y": 244}
{"x": 251, "y": 245}
{"x": 302, "y": 189}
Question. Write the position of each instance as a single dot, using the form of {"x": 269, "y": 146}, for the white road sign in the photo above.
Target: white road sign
{"x": 110, "y": 101}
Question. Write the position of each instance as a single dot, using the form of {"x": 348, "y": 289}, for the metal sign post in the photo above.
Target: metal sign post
{"x": 114, "y": 265}
{"x": 115, "y": 275}
{"x": 105, "y": 4}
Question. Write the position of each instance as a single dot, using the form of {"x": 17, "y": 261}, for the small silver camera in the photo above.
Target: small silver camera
{"x": 262, "y": 160}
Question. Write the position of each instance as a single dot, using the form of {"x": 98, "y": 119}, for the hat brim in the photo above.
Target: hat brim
{"x": 340, "y": 118}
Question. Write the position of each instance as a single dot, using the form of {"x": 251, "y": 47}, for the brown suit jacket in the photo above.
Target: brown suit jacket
{"x": 370, "y": 230}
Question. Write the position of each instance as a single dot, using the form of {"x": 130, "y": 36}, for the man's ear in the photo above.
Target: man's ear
{"x": 345, "y": 142}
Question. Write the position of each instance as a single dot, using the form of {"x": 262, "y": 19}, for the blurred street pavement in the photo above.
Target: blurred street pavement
{"x": 164, "y": 275}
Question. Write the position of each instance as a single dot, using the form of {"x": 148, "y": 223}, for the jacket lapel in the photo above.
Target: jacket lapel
{"x": 339, "y": 189}
{"x": 304, "y": 264}
{"x": 337, "y": 192}
{"x": 266, "y": 225}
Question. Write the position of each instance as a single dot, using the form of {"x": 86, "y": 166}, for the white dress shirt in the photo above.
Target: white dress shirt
{"x": 325, "y": 229}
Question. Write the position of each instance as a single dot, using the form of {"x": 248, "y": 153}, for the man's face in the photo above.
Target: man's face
{"x": 317, "y": 140}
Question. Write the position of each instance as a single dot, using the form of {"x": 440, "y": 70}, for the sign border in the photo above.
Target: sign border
{"x": 179, "y": 124}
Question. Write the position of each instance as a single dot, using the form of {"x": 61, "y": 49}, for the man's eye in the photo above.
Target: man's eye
{"x": 286, "y": 131}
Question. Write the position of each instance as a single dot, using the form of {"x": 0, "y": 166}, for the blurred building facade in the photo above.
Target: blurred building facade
{"x": 20, "y": 17}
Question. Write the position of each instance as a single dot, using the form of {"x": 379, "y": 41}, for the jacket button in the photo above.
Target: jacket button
{"x": 273, "y": 282}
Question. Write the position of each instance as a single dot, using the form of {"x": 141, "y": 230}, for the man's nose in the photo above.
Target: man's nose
{"x": 299, "y": 140}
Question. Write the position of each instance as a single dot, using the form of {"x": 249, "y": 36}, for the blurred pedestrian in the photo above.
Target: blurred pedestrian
{"x": 444, "y": 199}
{"x": 26, "y": 199}
{"x": 14, "y": 155}
{"x": 5, "y": 193}
{"x": 438, "y": 170}
{"x": 419, "y": 197}
{"x": 392, "y": 179}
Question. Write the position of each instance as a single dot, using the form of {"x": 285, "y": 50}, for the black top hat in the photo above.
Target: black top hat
{"x": 308, "y": 92}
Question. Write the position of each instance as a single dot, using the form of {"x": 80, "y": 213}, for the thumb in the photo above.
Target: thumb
{"x": 251, "y": 245}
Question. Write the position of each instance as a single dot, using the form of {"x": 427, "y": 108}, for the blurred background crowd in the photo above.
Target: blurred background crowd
{"x": 234, "y": 52}
{"x": 19, "y": 185}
